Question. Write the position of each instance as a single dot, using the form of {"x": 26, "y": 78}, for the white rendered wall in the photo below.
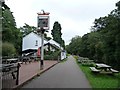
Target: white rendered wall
{"x": 63, "y": 55}
{"x": 29, "y": 41}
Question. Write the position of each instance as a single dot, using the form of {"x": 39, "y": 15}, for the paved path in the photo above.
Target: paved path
{"x": 63, "y": 75}
{"x": 27, "y": 71}
{"x": 30, "y": 70}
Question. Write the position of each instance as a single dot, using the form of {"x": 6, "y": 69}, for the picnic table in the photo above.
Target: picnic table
{"x": 12, "y": 60}
{"x": 34, "y": 58}
{"x": 12, "y": 69}
{"x": 79, "y": 59}
{"x": 26, "y": 59}
{"x": 87, "y": 62}
{"x": 103, "y": 68}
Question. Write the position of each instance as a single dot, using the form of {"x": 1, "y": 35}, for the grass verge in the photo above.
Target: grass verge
{"x": 101, "y": 80}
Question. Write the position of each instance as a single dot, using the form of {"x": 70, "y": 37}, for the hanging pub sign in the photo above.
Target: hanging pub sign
{"x": 43, "y": 20}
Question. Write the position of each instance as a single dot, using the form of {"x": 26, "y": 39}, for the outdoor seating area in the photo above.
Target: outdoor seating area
{"x": 96, "y": 67}
{"x": 15, "y": 70}
{"x": 93, "y": 69}
{"x": 12, "y": 60}
{"x": 100, "y": 74}
{"x": 20, "y": 59}
{"x": 10, "y": 71}
{"x": 28, "y": 59}
{"x": 103, "y": 68}
{"x": 10, "y": 75}
{"x": 85, "y": 61}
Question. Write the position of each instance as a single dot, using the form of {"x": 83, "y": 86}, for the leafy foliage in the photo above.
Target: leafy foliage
{"x": 26, "y": 29}
{"x": 8, "y": 49}
{"x": 75, "y": 45}
{"x": 103, "y": 42}
{"x": 52, "y": 55}
{"x": 10, "y": 33}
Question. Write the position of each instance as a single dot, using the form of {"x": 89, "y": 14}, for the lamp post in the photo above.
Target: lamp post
{"x": 43, "y": 26}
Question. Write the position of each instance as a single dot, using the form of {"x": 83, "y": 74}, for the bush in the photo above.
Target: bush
{"x": 8, "y": 49}
{"x": 76, "y": 57}
{"x": 52, "y": 56}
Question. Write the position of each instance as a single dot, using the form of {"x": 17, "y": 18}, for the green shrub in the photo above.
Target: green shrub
{"x": 76, "y": 57}
{"x": 8, "y": 49}
{"x": 52, "y": 56}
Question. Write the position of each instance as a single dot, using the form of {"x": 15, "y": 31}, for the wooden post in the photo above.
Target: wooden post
{"x": 17, "y": 80}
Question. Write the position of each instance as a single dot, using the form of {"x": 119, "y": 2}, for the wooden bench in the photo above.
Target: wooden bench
{"x": 93, "y": 69}
{"x": 114, "y": 71}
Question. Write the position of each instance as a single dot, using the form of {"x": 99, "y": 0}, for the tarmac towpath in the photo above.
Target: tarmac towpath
{"x": 62, "y": 75}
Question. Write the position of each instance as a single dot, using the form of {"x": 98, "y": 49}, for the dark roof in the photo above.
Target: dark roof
{"x": 52, "y": 45}
{"x": 29, "y": 50}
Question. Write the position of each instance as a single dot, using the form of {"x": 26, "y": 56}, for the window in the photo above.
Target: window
{"x": 36, "y": 43}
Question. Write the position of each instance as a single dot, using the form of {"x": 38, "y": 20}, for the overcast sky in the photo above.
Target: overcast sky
{"x": 75, "y": 16}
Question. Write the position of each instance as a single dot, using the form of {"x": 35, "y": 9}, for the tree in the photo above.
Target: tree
{"x": 26, "y": 29}
{"x": 57, "y": 35}
{"x": 8, "y": 26}
{"x": 75, "y": 45}
{"x": 10, "y": 33}
{"x": 45, "y": 35}
{"x": 103, "y": 42}
{"x": 108, "y": 27}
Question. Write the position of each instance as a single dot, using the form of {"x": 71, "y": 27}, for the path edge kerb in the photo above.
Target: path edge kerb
{"x": 38, "y": 74}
